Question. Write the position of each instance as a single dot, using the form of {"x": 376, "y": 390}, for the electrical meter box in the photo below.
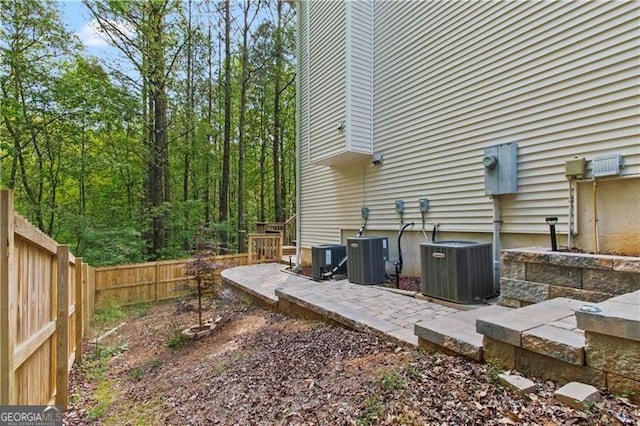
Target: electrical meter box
{"x": 501, "y": 169}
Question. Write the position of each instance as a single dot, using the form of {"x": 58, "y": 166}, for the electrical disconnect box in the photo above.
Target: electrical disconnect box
{"x": 424, "y": 205}
{"x": 399, "y": 206}
{"x": 575, "y": 167}
{"x": 501, "y": 169}
{"x": 365, "y": 212}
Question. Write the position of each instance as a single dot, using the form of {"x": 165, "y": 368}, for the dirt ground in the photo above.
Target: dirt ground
{"x": 263, "y": 368}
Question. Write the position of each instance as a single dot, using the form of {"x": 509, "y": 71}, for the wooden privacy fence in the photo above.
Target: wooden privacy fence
{"x": 46, "y": 303}
{"x": 48, "y": 297}
{"x": 151, "y": 281}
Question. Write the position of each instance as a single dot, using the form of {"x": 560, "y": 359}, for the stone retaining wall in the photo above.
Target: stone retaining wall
{"x": 533, "y": 275}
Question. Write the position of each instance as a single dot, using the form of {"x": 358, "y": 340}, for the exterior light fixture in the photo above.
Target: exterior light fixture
{"x": 552, "y": 222}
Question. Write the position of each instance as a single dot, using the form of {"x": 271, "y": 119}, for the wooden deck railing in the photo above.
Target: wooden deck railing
{"x": 263, "y": 248}
{"x": 287, "y": 229}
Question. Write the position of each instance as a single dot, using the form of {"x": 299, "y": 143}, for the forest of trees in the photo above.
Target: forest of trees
{"x": 188, "y": 129}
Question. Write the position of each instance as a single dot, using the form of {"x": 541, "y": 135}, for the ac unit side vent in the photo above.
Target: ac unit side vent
{"x": 457, "y": 271}
{"x": 326, "y": 257}
{"x": 366, "y": 257}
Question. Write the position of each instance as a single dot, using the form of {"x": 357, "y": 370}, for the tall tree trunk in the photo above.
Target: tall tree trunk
{"x": 279, "y": 214}
{"x": 224, "y": 187}
{"x": 244, "y": 79}
{"x": 207, "y": 172}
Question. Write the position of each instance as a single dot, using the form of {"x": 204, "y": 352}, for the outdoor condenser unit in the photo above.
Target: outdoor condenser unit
{"x": 326, "y": 257}
{"x": 457, "y": 271}
{"x": 366, "y": 257}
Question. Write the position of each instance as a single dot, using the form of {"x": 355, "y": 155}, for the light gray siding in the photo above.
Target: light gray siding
{"x": 450, "y": 78}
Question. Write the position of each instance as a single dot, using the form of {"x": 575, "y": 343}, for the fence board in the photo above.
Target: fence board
{"x": 41, "y": 314}
{"x": 151, "y": 281}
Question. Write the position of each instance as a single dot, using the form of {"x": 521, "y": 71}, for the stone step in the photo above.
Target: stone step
{"x": 456, "y": 332}
{"x": 547, "y": 328}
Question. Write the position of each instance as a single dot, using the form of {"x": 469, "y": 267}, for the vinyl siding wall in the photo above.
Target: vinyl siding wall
{"x": 450, "y": 78}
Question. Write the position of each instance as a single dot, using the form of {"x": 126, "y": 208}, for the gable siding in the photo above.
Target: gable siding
{"x": 360, "y": 76}
{"x": 450, "y": 78}
{"x": 327, "y": 98}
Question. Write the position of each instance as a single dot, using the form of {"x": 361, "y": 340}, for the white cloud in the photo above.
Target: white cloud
{"x": 92, "y": 35}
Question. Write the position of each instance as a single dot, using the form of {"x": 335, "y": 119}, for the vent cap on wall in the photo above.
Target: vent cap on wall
{"x": 606, "y": 165}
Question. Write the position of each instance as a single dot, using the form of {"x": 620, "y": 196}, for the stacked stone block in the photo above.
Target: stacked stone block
{"x": 533, "y": 275}
{"x": 612, "y": 334}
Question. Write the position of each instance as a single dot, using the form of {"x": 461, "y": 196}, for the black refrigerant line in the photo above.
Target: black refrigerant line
{"x": 398, "y": 264}
{"x": 331, "y": 273}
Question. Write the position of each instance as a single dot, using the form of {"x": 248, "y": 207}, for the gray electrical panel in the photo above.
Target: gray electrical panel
{"x": 501, "y": 169}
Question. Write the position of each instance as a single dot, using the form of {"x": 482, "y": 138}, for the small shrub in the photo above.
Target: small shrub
{"x": 177, "y": 339}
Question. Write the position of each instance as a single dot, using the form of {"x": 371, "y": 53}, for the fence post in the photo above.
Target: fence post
{"x": 80, "y": 290}
{"x": 62, "y": 328}
{"x": 250, "y": 250}
{"x": 85, "y": 299}
{"x": 157, "y": 295}
{"x": 8, "y": 392}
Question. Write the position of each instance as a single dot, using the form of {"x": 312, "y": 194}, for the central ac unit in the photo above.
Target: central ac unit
{"x": 366, "y": 257}
{"x": 457, "y": 271}
{"x": 326, "y": 257}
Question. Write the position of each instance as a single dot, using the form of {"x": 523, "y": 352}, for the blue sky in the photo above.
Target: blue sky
{"x": 79, "y": 21}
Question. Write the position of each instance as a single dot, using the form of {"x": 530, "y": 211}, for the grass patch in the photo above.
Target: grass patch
{"x": 95, "y": 364}
{"x": 139, "y": 310}
{"x": 412, "y": 372}
{"x": 373, "y": 410}
{"x": 391, "y": 381}
{"x": 103, "y": 396}
{"x": 109, "y": 314}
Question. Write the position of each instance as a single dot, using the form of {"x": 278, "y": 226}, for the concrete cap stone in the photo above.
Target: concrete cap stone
{"x": 519, "y": 384}
{"x": 577, "y": 395}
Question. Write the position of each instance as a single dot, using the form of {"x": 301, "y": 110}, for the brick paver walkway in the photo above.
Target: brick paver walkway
{"x": 357, "y": 306}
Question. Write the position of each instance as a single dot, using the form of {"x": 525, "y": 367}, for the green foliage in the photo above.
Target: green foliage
{"x": 391, "y": 381}
{"x": 176, "y": 339}
{"x": 110, "y": 314}
{"x": 412, "y": 372}
{"x": 75, "y": 140}
{"x": 373, "y": 410}
{"x": 494, "y": 368}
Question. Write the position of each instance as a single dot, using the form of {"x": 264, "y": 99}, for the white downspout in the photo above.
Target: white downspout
{"x": 298, "y": 264}
{"x": 496, "y": 243}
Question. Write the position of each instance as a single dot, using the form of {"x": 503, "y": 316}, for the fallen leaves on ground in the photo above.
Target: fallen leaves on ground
{"x": 263, "y": 368}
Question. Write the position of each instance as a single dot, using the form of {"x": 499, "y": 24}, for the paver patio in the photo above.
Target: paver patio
{"x": 357, "y": 306}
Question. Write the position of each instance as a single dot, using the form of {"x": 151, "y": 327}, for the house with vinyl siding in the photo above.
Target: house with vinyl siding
{"x": 403, "y": 100}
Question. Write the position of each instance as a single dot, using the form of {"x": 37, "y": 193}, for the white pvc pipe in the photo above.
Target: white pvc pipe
{"x": 496, "y": 243}
{"x": 298, "y": 264}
